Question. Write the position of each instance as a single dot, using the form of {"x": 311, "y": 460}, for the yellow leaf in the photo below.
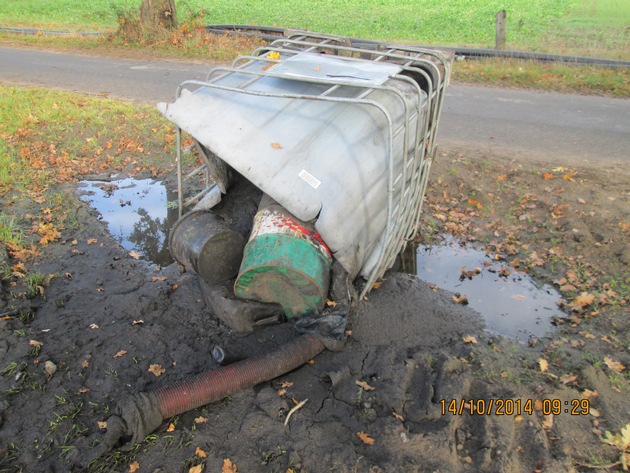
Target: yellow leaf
{"x": 286, "y": 384}
{"x": 171, "y": 427}
{"x": 569, "y": 176}
{"x": 544, "y": 365}
{"x": 195, "y": 469}
{"x": 134, "y": 467}
{"x": 276, "y": 145}
{"x": 330, "y": 303}
{"x": 470, "y": 339}
{"x": 614, "y": 365}
{"x": 201, "y": 420}
{"x": 587, "y": 394}
{"x": 365, "y": 386}
{"x": 91, "y": 241}
{"x": 120, "y": 353}
{"x": 156, "y": 369}
{"x": 547, "y": 176}
{"x": 228, "y": 466}
{"x": 376, "y": 285}
{"x": 460, "y": 299}
{"x": 281, "y": 392}
{"x": 365, "y": 438}
{"x": 101, "y": 425}
{"x": 200, "y": 453}
{"x": 273, "y": 55}
{"x": 568, "y": 378}
{"x": 134, "y": 254}
{"x": 35, "y": 344}
{"x": 502, "y": 177}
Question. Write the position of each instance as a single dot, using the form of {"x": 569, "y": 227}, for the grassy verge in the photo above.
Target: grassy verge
{"x": 48, "y": 138}
{"x": 590, "y": 26}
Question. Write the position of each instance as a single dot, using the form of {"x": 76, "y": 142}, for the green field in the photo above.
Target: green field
{"x": 532, "y": 24}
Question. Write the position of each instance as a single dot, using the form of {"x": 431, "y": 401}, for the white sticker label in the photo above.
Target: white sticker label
{"x": 309, "y": 179}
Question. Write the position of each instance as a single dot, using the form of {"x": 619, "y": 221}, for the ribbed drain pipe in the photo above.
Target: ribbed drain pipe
{"x": 139, "y": 415}
{"x": 213, "y": 386}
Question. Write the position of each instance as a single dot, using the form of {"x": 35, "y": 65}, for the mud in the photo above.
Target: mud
{"x": 105, "y": 318}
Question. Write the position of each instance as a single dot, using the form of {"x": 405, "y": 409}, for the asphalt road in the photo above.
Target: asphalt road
{"x": 549, "y": 125}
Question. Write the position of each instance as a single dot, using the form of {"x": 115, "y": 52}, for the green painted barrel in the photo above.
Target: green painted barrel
{"x": 285, "y": 262}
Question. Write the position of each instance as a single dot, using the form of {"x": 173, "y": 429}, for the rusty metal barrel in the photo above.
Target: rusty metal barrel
{"x": 202, "y": 243}
{"x": 285, "y": 262}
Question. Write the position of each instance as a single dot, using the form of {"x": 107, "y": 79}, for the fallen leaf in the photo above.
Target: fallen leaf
{"x": 594, "y": 412}
{"x": 398, "y": 416}
{"x": 460, "y": 298}
{"x": 200, "y": 453}
{"x": 84, "y": 390}
{"x": 137, "y": 322}
{"x": 91, "y": 241}
{"x": 519, "y": 297}
{"x": 568, "y": 378}
{"x": 547, "y": 176}
{"x": 582, "y": 301}
{"x": 365, "y": 438}
{"x": 134, "y": 467}
{"x": 281, "y": 392}
{"x": 157, "y": 278}
{"x": 330, "y": 303}
{"x": 286, "y": 384}
{"x": 364, "y": 385}
{"x": 85, "y": 364}
{"x": 544, "y": 365}
{"x": 101, "y": 425}
{"x": 134, "y": 254}
{"x": 157, "y": 370}
{"x": 276, "y": 145}
{"x": 120, "y": 353}
{"x": 195, "y": 469}
{"x": 587, "y": 394}
{"x": 94, "y": 326}
{"x": 614, "y": 365}
{"x": 548, "y": 422}
{"x": 171, "y": 427}
{"x": 35, "y": 344}
{"x": 201, "y": 420}
{"x": 470, "y": 339}
{"x": 228, "y": 466}
{"x": 569, "y": 176}
{"x": 50, "y": 368}
{"x": 502, "y": 177}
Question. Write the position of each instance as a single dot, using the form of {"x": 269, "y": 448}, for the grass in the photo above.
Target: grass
{"x": 589, "y": 25}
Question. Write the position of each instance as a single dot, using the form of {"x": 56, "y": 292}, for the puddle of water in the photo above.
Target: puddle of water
{"x": 136, "y": 213}
{"x": 512, "y": 305}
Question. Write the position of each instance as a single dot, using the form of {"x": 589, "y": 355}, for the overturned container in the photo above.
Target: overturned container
{"x": 285, "y": 262}
{"x": 340, "y": 133}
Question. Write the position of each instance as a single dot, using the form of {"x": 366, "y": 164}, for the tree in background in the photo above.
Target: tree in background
{"x": 158, "y": 13}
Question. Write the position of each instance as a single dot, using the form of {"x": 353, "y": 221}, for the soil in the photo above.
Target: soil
{"x": 89, "y": 338}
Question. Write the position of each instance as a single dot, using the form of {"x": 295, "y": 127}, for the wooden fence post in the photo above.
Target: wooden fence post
{"x": 501, "y": 29}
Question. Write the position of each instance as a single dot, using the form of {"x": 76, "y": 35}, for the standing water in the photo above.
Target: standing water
{"x": 511, "y": 303}
{"x": 137, "y": 214}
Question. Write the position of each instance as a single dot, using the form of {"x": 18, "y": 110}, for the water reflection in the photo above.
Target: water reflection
{"x": 137, "y": 214}
{"x": 512, "y": 304}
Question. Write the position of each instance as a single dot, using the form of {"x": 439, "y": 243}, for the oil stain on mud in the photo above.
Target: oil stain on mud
{"x": 137, "y": 214}
{"x": 511, "y": 302}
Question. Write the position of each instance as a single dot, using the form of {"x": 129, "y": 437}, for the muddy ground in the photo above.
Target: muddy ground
{"x": 87, "y": 339}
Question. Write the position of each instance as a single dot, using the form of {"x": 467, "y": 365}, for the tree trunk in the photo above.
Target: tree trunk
{"x": 158, "y": 13}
